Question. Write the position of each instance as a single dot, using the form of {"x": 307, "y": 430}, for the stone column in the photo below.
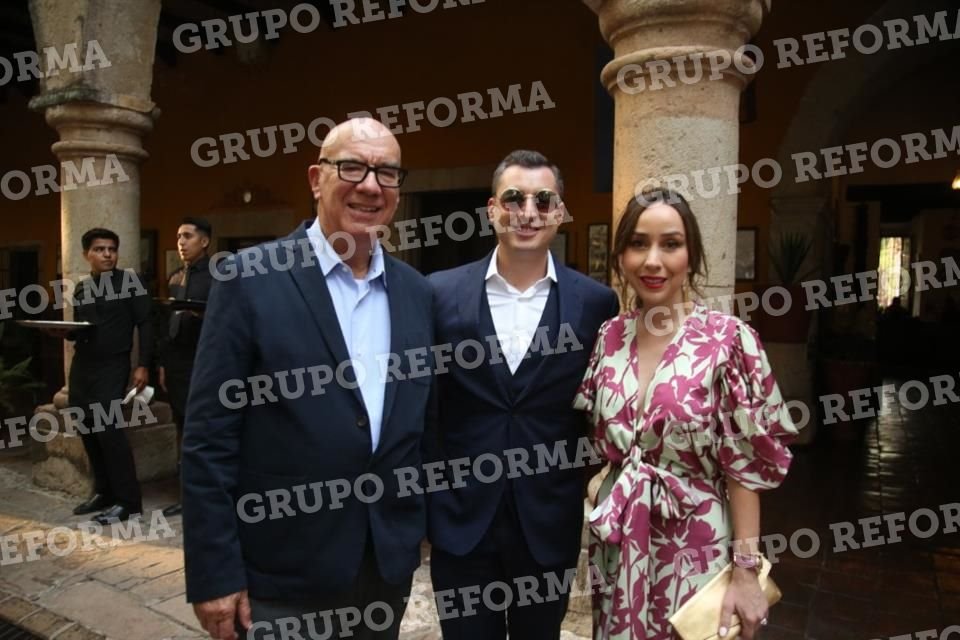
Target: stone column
{"x": 99, "y": 103}
{"x": 682, "y": 120}
{"x": 673, "y": 120}
{"x": 111, "y": 137}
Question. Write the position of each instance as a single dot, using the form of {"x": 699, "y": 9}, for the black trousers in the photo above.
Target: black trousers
{"x": 499, "y": 586}
{"x": 178, "y": 370}
{"x": 104, "y": 382}
{"x": 371, "y": 609}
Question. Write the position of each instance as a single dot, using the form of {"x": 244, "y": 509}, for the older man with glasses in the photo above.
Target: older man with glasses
{"x": 331, "y": 568}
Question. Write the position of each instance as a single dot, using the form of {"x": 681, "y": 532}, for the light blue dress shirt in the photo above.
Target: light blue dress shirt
{"x": 363, "y": 311}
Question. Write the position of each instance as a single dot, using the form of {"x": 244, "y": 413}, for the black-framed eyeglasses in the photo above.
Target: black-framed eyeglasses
{"x": 545, "y": 200}
{"x": 357, "y": 172}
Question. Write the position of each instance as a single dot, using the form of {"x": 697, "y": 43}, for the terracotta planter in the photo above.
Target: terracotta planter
{"x": 842, "y": 377}
{"x": 792, "y": 326}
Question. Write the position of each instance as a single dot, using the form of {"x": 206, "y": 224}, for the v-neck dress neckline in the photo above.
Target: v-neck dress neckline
{"x": 644, "y": 405}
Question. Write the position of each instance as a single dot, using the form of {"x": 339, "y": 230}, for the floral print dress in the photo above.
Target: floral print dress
{"x": 662, "y": 526}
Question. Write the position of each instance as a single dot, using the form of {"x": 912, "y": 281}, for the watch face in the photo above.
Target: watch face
{"x": 746, "y": 561}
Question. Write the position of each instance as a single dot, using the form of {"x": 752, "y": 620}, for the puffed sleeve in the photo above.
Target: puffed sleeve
{"x": 587, "y": 393}
{"x": 601, "y": 393}
{"x": 755, "y": 427}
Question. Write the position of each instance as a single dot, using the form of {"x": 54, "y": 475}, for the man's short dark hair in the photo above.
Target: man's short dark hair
{"x": 528, "y": 160}
{"x": 201, "y": 224}
{"x": 98, "y": 233}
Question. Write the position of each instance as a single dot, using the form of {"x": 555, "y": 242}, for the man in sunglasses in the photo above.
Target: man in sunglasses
{"x": 538, "y": 321}
{"x": 266, "y": 545}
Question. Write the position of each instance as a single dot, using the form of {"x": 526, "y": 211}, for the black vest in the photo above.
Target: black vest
{"x": 516, "y": 382}
{"x": 506, "y": 527}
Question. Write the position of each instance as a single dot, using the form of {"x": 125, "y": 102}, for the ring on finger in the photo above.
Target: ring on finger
{"x": 764, "y": 621}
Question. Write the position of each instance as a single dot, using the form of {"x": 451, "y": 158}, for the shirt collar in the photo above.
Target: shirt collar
{"x": 328, "y": 259}
{"x": 200, "y": 263}
{"x": 103, "y": 274}
{"x": 493, "y": 271}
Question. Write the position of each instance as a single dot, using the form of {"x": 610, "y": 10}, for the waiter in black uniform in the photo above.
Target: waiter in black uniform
{"x": 114, "y": 301}
{"x": 192, "y": 281}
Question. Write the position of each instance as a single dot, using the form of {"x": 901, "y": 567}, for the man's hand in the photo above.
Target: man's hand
{"x": 140, "y": 378}
{"x": 162, "y": 378}
{"x": 218, "y": 616}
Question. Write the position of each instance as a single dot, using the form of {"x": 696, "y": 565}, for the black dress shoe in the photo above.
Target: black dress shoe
{"x": 96, "y": 502}
{"x": 116, "y": 513}
{"x": 173, "y": 510}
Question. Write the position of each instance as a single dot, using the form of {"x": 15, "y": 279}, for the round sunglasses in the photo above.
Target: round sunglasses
{"x": 545, "y": 200}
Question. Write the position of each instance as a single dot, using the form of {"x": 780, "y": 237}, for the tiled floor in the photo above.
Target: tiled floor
{"x": 902, "y": 462}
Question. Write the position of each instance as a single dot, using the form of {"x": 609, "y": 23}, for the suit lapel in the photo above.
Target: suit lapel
{"x": 471, "y": 292}
{"x": 398, "y": 317}
{"x": 468, "y": 299}
{"x": 571, "y": 311}
{"x": 312, "y": 284}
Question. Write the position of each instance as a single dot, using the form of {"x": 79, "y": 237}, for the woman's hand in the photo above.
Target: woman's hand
{"x": 745, "y": 598}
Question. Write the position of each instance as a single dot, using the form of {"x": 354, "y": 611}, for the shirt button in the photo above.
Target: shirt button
{"x": 362, "y": 422}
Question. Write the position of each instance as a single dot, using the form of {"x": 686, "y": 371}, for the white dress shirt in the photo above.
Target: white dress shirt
{"x": 363, "y": 311}
{"x": 516, "y": 314}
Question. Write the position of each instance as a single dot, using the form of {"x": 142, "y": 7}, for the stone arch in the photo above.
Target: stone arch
{"x": 828, "y": 107}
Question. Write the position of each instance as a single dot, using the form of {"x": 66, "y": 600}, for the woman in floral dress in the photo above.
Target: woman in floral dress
{"x": 689, "y": 416}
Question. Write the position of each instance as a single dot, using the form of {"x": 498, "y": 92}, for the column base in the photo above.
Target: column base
{"x": 62, "y": 464}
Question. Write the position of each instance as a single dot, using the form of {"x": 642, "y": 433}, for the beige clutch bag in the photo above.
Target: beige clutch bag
{"x": 699, "y": 617}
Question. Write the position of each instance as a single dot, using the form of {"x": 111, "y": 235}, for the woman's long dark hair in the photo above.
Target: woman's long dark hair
{"x": 628, "y": 222}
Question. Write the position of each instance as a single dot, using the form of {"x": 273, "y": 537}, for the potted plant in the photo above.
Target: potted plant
{"x": 787, "y": 257}
{"x": 848, "y": 363}
{"x": 14, "y": 381}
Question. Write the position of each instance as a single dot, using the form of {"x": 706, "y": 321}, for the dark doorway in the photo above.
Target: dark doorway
{"x": 22, "y": 269}
{"x": 236, "y": 244}
{"x": 460, "y": 241}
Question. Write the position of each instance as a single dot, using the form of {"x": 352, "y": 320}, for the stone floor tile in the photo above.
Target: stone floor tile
{"x": 949, "y": 582}
{"x": 840, "y": 608}
{"x": 916, "y": 582}
{"x": 111, "y": 612}
{"x": 178, "y": 608}
{"x": 789, "y": 616}
{"x": 947, "y": 563}
{"x": 44, "y": 623}
{"x": 78, "y": 633}
{"x": 856, "y": 585}
{"x": 14, "y": 608}
{"x": 162, "y": 588}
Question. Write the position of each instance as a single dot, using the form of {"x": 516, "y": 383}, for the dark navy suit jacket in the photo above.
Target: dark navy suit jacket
{"x": 278, "y": 322}
{"x": 479, "y": 415}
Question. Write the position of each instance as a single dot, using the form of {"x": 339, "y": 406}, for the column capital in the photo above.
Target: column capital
{"x": 93, "y": 129}
{"x": 642, "y": 31}
{"x": 109, "y": 45}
